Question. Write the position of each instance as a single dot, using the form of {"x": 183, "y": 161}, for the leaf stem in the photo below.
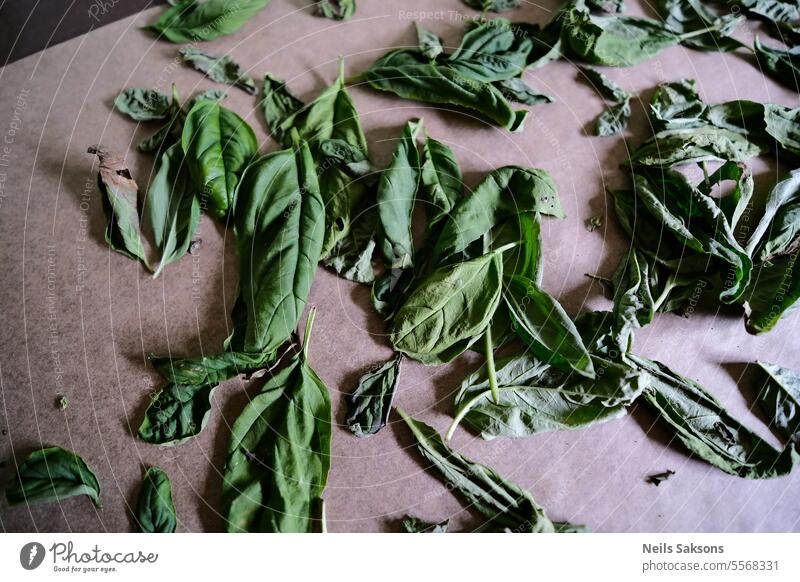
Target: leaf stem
{"x": 462, "y": 413}
{"x": 664, "y": 294}
{"x": 307, "y": 335}
{"x": 490, "y": 370}
{"x": 508, "y": 246}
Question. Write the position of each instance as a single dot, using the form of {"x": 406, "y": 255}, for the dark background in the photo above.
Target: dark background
{"x": 28, "y": 26}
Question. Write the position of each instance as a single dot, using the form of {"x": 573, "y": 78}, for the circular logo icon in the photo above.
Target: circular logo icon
{"x": 31, "y": 555}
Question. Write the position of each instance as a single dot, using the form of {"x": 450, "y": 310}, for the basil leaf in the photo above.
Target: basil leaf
{"x": 707, "y": 430}
{"x": 143, "y": 104}
{"x": 351, "y": 256}
{"x": 519, "y": 91}
{"x": 209, "y": 369}
{"x": 441, "y": 181}
{"x": 783, "y": 64}
{"x": 336, "y": 9}
{"x": 503, "y": 194}
{"x": 120, "y": 198}
{"x": 369, "y": 405}
{"x": 545, "y": 327}
{"x": 493, "y": 5}
{"x": 613, "y": 120}
{"x": 686, "y": 16}
{"x": 535, "y": 398}
{"x": 416, "y": 525}
{"x": 691, "y": 145}
{"x": 777, "y": 222}
{"x": 219, "y": 69}
{"x": 52, "y": 474}
{"x": 780, "y": 399}
{"x": 677, "y": 105}
{"x": 430, "y": 44}
{"x": 279, "y": 222}
{"x": 774, "y": 293}
{"x": 278, "y": 104}
{"x": 734, "y": 204}
{"x": 775, "y": 10}
{"x": 615, "y": 41}
{"x": 634, "y": 305}
{"x": 448, "y": 310}
{"x": 172, "y": 206}
{"x": 333, "y": 116}
{"x": 605, "y": 86}
{"x": 766, "y": 125}
{"x": 409, "y": 78}
{"x": 155, "y": 512}
{"x": 397, "y": 192}
{"x": 218, "y": 145}
{"x": 491, "y": 50}
{"x": 177, "y": 413}
{"x": 280, "y": 451}
{"x": 697, "y": 222}
{"x": 207, "y": 95}
{"x": 505, "y": 506}
{"x": 192, "y": 21}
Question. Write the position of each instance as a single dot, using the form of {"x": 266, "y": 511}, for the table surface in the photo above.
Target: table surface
{"x": 79, "y": 320}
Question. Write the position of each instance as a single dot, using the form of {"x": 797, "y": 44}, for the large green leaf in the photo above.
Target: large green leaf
{"x": 408, "y": 75}
{"x": 52, "y": 474}
{"x": 279, "y": 454}
{"x": 331, "y": 116}
{"x": 491, "y": 50}
{"x": 397, "y": 192}
{"x": 172, "y": 206}
{"x": 218, "y": 145}
{"x": 191, "y": 21}
{"x": 449, "y": 309}
{"x": 279, "y": 221}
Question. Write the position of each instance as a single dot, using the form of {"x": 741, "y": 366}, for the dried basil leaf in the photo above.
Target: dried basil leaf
{"x": 505, "y": 506}
{"x": 336, "y": 9}
{"x": 370, "y": 403}
{"x": 120, "y": 203}
{"x": 219, "y": 69}
{"x": 780, "y": 399}
{"x": 143, "y": 104}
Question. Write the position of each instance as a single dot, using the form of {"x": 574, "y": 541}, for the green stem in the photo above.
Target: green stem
{"x": 490, "y": 370}
{"x": 355, "y": 79}
{"x": 462, "y": 413}
{"x": 704, "y": 167}
{"x": 307, "y": 335}
{"x": 664, "y": 294}
{"x": 508, "y": 247}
